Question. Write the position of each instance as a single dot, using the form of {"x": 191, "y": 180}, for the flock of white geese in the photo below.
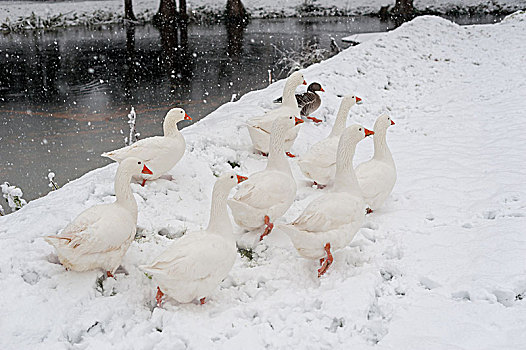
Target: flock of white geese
{"x": 194, "y": 265}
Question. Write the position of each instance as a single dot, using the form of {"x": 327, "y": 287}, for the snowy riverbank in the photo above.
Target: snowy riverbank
{"x": 441, "y": 266}
{"x": 16, "y": 15}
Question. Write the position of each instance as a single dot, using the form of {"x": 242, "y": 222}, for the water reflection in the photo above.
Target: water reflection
{"x": 129, "y": 68}
{"x": 234, "y": 34}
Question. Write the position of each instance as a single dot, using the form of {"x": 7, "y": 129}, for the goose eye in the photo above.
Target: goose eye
{"x": 290, "y": 117}
{"x": 231, "y": 177}
{"x": 360, "y": 129}
{"x": 138, "y": 162}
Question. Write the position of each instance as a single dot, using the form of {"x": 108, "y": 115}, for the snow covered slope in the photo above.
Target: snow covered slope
{"x": 441, "y": 266}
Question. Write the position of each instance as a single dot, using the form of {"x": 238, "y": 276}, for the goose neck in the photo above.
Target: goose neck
{"x": 219, "y": 220}
{"x": 289, "y": 96}
{"x": 276, "y": 157}
{"x": 171, "y": 131}
{"x": 381, "y": 151}
{"x": 345, "y": 179}
{"x": 123, "y": 191}
{"x": 341, "y": 120}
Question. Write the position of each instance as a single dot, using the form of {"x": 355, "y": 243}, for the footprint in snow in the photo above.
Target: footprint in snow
{"x": 428, "y": 283}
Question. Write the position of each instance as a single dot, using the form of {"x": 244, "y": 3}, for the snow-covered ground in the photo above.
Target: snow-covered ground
{"x": 31, "y": 14}
{"x": 441, "y": 266}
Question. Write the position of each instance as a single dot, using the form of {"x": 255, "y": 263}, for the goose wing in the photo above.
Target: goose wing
{"x": 265, "y": 189}
{"x": 195, "y": 256}
{"x": 145, "y": 149}
{"x": 329, "y": 212}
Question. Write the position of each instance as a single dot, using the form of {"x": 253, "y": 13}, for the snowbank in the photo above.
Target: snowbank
{"x": 30, "y": 14}
{"x": 441, "y": 266}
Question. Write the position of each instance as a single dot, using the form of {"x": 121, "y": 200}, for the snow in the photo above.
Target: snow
{"x": 15, "y": 14}
{"x": 441, "y": 266}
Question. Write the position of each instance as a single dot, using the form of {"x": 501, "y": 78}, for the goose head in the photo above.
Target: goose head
{"x": 286, "y": 122}
{"x": 383, "y": 122}
{"x": 296, "y": 79}
{"x": 174, "y": 116}
{"x": 313, "y": 87}
{"x": 355, "y": 133}
{"x": 350, "y": 100}
{"x": 134, "y": 166}
{"x": 229, "y": 179}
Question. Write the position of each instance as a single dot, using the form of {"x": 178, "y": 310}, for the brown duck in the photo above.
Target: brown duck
{"x": 308, "y": 101}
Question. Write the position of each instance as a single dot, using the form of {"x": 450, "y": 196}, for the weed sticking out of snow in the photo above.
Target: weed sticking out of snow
{"x": 13, "y": 196}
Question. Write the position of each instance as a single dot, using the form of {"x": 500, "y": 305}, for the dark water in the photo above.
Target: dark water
{"x": 65, "y": 94}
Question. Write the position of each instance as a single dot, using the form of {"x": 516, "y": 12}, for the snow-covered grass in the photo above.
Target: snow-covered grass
{"x": 13, "y": 197}
{"x": 18, "y": 15}
{"x": 441, "y": 266}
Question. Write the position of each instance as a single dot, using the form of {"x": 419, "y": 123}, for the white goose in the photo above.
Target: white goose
{"x": 160, "y": 152}
{"x": 377, "y": 176}
{"x": 100, "y": 236}
{"x": 331, "y": 220}
{"x": 259, "y": 127}
{"x": 319, "y": 163}
{"x": 193, "y": 266}
{"x": 267, "y": 194}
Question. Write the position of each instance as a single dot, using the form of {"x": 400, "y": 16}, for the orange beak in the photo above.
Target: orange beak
{"x": 368, "y": 132}
{"x": 298, "y": 121}
{"x": 358, "y": 100}
{"x": 187, "y": 117}
{"x": 392, "y": 122}
{"x": 145, "y": 170}
{"x": 304, "y": 82}
{"x": 240, "y": 178}
{"x": 321, "y": 89}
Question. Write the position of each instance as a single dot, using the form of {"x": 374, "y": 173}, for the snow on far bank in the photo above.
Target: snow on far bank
{"x": 441, "y": 266}
{"x": 40, "y": 14}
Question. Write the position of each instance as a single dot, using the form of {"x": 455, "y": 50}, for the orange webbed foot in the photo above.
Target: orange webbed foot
{"x": 159, "y": 297}
{"x": 268, "y": 228}
{"x": 325, "y": 263}
{"x": 202, "y": 300}
{"x": 314, "y": 119}
{"x": 290, "y": 155}
{"x": 319, "y": 186}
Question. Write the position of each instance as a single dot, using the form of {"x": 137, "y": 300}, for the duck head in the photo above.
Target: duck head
{"x": 174, "y": 116}
{"x": 383, "y": 122}
{"x": 313, "y": 87}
